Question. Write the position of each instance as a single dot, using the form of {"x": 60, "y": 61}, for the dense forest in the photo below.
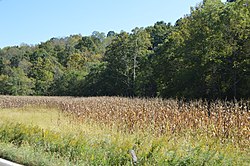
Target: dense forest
{"x": 205, "y": 54}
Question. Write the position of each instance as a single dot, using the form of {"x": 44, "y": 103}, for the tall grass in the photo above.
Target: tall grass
{"x": 221, "y": 119}
{"x": 103, "y": 130}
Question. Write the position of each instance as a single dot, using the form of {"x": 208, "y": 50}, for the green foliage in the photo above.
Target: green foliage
{"x": 204, "y": 52}
{"x": 26, "y": 155}
{"x": 70, "y": 147}
{"x": 204, "y": 55}
{"x": 68, "y": 83}
{"x": 123, "y": 58}
{"x": 82, "y": 150}
{"x": 16, "y": 83}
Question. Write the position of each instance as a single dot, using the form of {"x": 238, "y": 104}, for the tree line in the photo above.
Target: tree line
{"x": 205, "y": 54}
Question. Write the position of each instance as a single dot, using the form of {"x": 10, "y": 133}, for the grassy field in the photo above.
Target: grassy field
{"x": 104, "y": 130}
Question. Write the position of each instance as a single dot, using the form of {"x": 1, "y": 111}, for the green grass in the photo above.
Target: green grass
{"x": 27, "y": 155}
{"x": 40, "y": 136}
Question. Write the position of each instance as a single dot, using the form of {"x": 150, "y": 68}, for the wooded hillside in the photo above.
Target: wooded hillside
{"x": 206, "y": 54}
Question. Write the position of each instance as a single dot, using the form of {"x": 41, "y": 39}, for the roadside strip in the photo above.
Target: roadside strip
{"x": 8, "y": 163}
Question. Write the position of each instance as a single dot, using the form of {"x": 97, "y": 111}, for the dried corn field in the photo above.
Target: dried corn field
{"x": 220, "y": 119}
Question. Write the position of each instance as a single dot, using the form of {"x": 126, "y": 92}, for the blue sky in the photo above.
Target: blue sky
{"x": 35, "y": 21}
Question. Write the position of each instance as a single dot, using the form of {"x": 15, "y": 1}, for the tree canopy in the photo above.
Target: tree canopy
{"x": 205, "y": 54}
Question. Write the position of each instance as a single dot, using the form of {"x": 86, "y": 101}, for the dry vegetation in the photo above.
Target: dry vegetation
{"x": 227, "y": 121}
